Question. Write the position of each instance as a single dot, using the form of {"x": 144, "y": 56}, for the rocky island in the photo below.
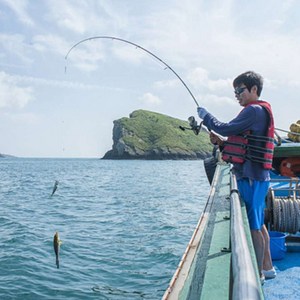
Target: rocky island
{"x": 150, "y": 135}
{"x": 2, "y": 155}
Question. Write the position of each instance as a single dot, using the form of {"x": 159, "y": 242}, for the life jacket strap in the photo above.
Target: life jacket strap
{"x": 259, "y": 138}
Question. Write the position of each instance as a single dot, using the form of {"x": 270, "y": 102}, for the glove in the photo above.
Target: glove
{"x": 202, "y": 112}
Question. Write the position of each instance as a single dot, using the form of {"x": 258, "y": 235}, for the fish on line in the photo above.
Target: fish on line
{"x": 55, "y": 187}
{"x": 56, "y": 244}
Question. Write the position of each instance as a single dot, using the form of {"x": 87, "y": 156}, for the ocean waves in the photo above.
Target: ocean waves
{"x": 124, "y": 226}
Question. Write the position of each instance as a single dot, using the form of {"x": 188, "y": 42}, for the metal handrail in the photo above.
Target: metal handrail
{"x": 245, "y": 284}
{"x": 293, "y": 189}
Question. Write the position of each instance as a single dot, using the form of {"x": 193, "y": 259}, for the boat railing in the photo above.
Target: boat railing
{"x": 245, "y": 283}
{"x": 288, "y": 187}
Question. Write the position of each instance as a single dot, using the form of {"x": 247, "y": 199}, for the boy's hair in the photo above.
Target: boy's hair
{"x": 249, "y": 79}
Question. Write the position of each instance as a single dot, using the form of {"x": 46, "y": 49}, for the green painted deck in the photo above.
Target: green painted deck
{"x": 209, "y": 277}
{"x": 217, "y": 275}
{"x": 217, "y": 271}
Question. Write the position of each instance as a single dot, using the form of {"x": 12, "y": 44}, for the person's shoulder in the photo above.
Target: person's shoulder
{"x": 255, "y": 108}
{"x": 249, "y": 109}
{"x": 256, "y": 111}
{"x": 259, "y": 105}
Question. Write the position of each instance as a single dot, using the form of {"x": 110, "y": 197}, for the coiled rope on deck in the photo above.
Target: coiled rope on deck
{"x": 286, "y": 214}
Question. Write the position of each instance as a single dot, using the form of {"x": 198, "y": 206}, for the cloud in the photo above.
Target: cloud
{"x": 25, "y": 118}
{"x": 150, "y": 100}
{"x": 86, "y": 55}
{"x": 53, "y": 83}
{"x": 166, "y": 83}
{"x": 70, "y": 16}
{"x": 82, "y": 17}
{"x": 51, "y": 43}
{"x": 14, "y": 44}
{"x": 88, "y": 52}
{"x": 20, "y": 7}
{"x": 189, "y": 29}
{"x": 128, "y": 53}
{"x": 216, "y": 36}
{"x": 11, "y": 94}
{"x": 200, "y": 77}
{"x": 212, "y": 100}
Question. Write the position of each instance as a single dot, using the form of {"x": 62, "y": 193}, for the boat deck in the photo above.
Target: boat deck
{"x": 217, "y": 275}
{"x": 205, "y": 269}
{"x": 286, "y": 285}
{"x": 209, "y": 271}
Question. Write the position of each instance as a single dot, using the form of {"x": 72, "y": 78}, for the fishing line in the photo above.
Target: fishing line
{"x": 139, "y": 47}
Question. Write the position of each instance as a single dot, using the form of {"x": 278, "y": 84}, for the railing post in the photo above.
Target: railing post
{"x": 244, "y": 278}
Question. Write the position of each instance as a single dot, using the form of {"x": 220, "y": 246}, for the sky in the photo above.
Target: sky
{"x": 51, "y": 106}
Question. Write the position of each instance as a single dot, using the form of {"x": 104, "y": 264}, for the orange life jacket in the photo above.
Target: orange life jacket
{"x": 290, "y": 167}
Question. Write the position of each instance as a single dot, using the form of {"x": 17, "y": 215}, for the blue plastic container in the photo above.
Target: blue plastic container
{"x": 277, "y": 245}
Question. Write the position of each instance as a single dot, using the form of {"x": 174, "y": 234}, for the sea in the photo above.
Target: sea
{"x": 124, "y": 226}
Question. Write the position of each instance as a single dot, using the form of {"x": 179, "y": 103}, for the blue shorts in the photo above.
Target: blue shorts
{"x": 253, "y": 192}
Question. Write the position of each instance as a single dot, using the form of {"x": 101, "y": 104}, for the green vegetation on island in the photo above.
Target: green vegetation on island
{"x": 151, "y": 135}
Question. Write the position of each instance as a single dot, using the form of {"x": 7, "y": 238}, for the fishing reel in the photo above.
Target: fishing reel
{"x": 193, "y": 125}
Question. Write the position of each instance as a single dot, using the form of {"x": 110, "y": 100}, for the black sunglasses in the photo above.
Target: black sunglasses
{"x": 239, "y": 90}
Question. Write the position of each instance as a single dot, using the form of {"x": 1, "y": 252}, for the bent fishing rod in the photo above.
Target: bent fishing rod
{"x": 139, "y": 47}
